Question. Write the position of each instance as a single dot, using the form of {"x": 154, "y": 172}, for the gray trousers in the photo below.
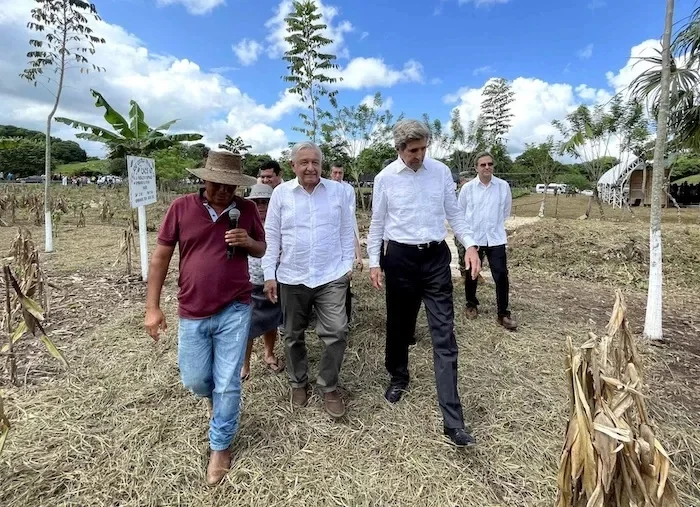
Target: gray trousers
{"x": 331, "y": 326}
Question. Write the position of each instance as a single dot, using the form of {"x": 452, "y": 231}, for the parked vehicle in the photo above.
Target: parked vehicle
{"x": 552, "y": 188}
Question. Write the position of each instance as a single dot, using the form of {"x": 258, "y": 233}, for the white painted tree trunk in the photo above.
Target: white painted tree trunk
{"x": 653, "y": 328}
{"x": 541, "y": 213}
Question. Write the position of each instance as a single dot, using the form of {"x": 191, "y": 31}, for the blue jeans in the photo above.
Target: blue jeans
{"x": 210, "y": 355}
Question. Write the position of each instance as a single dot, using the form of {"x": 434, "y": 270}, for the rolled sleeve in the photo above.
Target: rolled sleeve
{"x": 375, "y": 235}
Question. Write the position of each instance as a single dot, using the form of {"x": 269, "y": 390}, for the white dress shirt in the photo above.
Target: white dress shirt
{"x": 485, "y": 209}
{"x": 350, "y": 191}
{"x": 410, "y": 207}
{"x": 310, "y": 233}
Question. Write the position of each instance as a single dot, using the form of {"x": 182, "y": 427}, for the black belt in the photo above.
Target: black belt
{"x": 420, "y": 246}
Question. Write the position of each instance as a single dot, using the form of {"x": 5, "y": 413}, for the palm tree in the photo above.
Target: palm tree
{"x": 236, "y": 146}
{"x": 653, "y": 320}
{"x": 133, "y": 137}
{"x": 684, "y": 68}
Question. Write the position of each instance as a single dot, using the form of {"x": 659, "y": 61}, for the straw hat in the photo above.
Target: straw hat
{"x": 260, "y": 191}
{"x": 224, "y": 167}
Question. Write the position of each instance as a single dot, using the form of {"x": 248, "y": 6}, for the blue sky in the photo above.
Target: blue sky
{"x": 178, "y": 57}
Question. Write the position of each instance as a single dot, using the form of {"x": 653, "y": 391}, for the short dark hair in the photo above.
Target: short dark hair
{"x": 339, "y": 165}
{"x": 387, "y": 162}
{"x": 271, "y": 164}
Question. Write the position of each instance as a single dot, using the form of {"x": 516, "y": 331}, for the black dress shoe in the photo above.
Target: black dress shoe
{"x": 394, "y": 392}
{"x": 460, "y": 437}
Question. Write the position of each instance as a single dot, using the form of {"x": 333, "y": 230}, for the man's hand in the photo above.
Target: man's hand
{"x": 270, "y": 290}
{"x": 155, "y": 320}
{"x": 358, "y": 264}
{"x": 238, "y": 237}
{"x": 472, "y": 262}
{"x": 375, "y": 275}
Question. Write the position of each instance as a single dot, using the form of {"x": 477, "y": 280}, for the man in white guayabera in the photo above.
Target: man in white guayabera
{"x": 309, "y": 231}
{"x": 413, "y": 196}
{"x": 486, "y": 201}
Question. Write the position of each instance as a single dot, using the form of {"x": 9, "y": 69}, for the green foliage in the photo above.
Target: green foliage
{"x": 573, "y": 180}
{"x": 252, "y": 163}
{"x": 132, "y": 137}
{"x": 171, "y": 163}
{"x": 465, "y": 143}
{"x": 22, "y": 157}
{"x": 236, "y": 145}
{"x": 308, "y": 64}
{"x": 372, "y": 158}
{"x": 64, "y": 152}
{"x": 495, "y": 111}
{"x": 690, "y": 180}
{"x": 89, "y": 168}
{"x": 67, "y": 38}
{"x": 687, "y": 164}
{"x": 440, "y": 139}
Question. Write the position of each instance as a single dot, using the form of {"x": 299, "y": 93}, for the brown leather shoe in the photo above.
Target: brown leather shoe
{"x": 471, "y": 313}
{"x": 219, "y": 463}
{"x": 508, "y": 322}
{"x": 299, "y": 396}
{"x": 334, "y": 405}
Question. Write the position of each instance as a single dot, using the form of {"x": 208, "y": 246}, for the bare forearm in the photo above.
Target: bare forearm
{"x": 256, "y": 248}
{"x": 158, "y": 270}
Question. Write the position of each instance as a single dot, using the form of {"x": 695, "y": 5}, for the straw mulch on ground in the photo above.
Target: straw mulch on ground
{"x": 118, "y": 428}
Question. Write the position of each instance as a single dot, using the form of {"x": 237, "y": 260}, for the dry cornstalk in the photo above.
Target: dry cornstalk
{"x": 611, "y": 456}
{"x": 4, "y": 425}
{"x": 127, "y": 247}
{"x": 81, "y": 219}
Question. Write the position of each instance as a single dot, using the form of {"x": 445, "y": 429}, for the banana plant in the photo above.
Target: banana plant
{"x": 132, "y": 137}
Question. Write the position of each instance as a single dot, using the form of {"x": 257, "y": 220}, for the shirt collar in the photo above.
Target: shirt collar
{"x": 296, "y": 184}
{"x": 212, "y": 211}
{"x": 402, "y": 165}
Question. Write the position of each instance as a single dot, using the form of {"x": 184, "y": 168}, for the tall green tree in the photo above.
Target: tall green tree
{"x": 372, "y": 158}
{"x": 132, "y": 137}
{"x": 465, "y": 143}
{"x": 23, "y": 157}
{"x": 66, "y": 40}
{"x": 172, "y": 163}
{"x": 353, "y": 129}
{"x": 684, "y": 83}
{"x": 440, "y": 140}
{"x": 496, "y": 115}
{"x": 308, "y": 63}
{"x": 237, "y": 146}
{"x": 653, "y": 329}
{"x": 252, "y": 163}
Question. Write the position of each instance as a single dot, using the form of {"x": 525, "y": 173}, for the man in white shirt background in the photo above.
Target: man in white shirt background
{"x": 309, "y": 228}
{"x": 337, "y": 173}
{"x": 486, "y": 202}
{"x": 270, "y": 174}
{"x": 413, "y": 196}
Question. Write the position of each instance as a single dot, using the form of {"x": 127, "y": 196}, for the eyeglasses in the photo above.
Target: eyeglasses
{"x": 487, "y": 164}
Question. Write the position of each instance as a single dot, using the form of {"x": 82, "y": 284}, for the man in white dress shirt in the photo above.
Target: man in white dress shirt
{"x": 486, "y": 201}
{"x": 412, "y": 198}
{"x": 337, "y": 173}
{"x": 309, "y": 228}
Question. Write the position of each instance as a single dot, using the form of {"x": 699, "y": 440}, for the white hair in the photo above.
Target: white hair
{"x": 305, "y": 145}
{"x": 406, "y": 131}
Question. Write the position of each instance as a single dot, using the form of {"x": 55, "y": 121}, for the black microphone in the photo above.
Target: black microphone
{"x": 233, "y": 215}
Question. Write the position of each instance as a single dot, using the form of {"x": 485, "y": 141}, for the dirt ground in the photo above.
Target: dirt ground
{"x": 118, "y": 429}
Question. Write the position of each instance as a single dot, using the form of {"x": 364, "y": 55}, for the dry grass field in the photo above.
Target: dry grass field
{"x": 117, "y": 428}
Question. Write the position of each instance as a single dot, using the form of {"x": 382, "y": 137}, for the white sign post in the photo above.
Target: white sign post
{"x": 142, "y": 192}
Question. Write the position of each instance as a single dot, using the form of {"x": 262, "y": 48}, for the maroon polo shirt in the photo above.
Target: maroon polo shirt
{"x": 208, "y": 281}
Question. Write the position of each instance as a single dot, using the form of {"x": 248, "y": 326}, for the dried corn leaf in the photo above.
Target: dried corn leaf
{"x": 16, "y": 335}
{"x": 53, "y": 350}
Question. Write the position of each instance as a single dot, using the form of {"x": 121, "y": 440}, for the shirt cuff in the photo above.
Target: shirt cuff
{"x": 269, "y": 273}
{"x": 374, "y": 261}
{"x": 467, "y": 241}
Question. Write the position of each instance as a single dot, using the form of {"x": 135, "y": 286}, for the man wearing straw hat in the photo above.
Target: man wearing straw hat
{"x": 214, "y": 293}
{"x": 309, "y": 231}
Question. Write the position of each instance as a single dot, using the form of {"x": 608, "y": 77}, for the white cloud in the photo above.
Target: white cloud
{"x": 368, "y": 100}
{"x": 247, "y": 51}
{"x": 166, "y": 88}
{"x": 436, "y": 81}
{"x": 586, "y": 53}
{"x": 196, "y": 7}
{"x": 334, "y": 31}
{"x": 483, "y": 3}
{"x": 373, "y": 72}
{"x": 635, "y": 66}
{"x": 594, "y": 95}
{"x": 596, "y": 4}
{"x": 364, "y": 35}
{"x": 486, "y": 69}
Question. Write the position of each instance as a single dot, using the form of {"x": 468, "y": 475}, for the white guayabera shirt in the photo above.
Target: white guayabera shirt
{"x": 350, "y": 191}
{"x": 485, "y": 209}
{"x": 410, "y": 207}
{"x": 310, "y": 233}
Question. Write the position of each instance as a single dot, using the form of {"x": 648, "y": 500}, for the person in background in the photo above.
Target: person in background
{"x": 214, "y": 293}
{"x": 266, "y": 316}
{"x": 485, "y": 202}
{"x": 309, "y": 223}
{"x": 271, "y": 174}
{"x": 413, "y": 198}
{"x": 337, "y": 173}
